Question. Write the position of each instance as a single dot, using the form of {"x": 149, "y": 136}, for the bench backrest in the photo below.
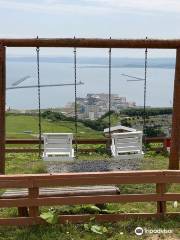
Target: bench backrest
{"x": 126, "y": 142}
{"x": 57, "y": 142}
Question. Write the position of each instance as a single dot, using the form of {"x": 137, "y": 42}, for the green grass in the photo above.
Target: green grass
{"x": 117, "y": 231}
{"x": 17, "y": 124}
{"x": 29, "y": 163}
{"x": 25, "y": 163}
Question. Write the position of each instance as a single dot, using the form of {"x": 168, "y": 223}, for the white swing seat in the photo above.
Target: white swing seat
{"x": 127, "y": 145}
{"x": 58, "y": 147}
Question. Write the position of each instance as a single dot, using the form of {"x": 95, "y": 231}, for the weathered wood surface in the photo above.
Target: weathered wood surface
{"x": 36, "y": 196}
{"x": 175, "y": 138}
{"x": 63, "y": 191}
{"x": 92, "y": 43}
{"x": 83, "y": 141}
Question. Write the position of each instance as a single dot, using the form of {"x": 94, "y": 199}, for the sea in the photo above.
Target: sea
{"x": 95, "y": 79}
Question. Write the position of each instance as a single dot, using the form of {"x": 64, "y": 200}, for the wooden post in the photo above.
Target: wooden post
{"x": 161, "y": 206}
{"x": 2, "y": 107}
{"x": 175, "y": 137}
{"x": 34, "y": 210}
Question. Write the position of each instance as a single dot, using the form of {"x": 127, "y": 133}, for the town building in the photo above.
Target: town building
{"x": 94, "y": 105}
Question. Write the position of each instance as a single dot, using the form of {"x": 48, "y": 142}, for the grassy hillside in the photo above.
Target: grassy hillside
{"x": 114, "y": 231}
{"x": 17, "y": 124}
{"x": 29, "y": 163}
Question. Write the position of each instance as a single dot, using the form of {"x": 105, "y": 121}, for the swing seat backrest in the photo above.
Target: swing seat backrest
{"x": 58, "y": 146}
{"x": 127, "y": 145}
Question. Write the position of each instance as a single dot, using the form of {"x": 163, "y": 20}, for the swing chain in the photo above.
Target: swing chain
{"x": 39, "y": 99}
{"x": 109, "y": 92}
{"x": 145, "y": 88}
{"x": 75, "y": 100}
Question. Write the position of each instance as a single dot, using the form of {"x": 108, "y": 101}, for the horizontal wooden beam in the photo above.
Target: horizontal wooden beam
{"x": 93, "y": 178}
{"x": 156, "y": 139}
{"x": 84, "y": 140}
{"x": 92, "y": 43}
{"x": 35, "y": 150}
{"x": 79, "y": 141}
{"x": 82, "y": 218}
{"x": 98, "y": 199}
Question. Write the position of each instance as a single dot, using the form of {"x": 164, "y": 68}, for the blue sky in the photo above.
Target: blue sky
{"x": 90, "y": 18}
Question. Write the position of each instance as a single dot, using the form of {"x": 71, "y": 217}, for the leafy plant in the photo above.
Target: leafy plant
{"x": 50, "y": 217}
{"x": 91, "y": 209}
{"x": 95, "y": 228}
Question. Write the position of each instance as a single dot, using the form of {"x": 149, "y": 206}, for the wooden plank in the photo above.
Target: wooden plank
{"x": 137, "y": 173}
{"x": 92, "y": 43}
{"x": 84, "y": 140}
{"x": 172, "y": 176}
{"x": 20, "y": 183}
{"x": 82, "y": 218}
{"x": 97, "y": 199}
{"x": 93, "y": 178}
{"x": 95, "y": 181}
{"x": 79, "y": 141}
{"x": 77, "y": 200}
{"x": 34, "y": 150}
{"x": 2, "y": 107}
{"x": 175, "y": 138}
{"x": 59, "y": 181}
{"x": 22, "y": 150}
{"x": 33, "y": 210}
{"x": 74, "y": 179}
{"x": 155, "y": 139}
{"x": 22, "y": 141}
{"x": 63, "y": 191}
{"x": 161, "y": 205}
{"x": 21, "y": 221}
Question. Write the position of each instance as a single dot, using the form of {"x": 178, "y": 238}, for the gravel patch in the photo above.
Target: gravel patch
{"x": 93, "y": 165}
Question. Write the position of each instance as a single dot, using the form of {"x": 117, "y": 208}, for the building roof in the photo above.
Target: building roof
{"x": 119, "y": 127}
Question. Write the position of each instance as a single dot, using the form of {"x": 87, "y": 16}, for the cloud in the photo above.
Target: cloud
{"x": 93, "y": 6}
{"x": 50, "y": 6}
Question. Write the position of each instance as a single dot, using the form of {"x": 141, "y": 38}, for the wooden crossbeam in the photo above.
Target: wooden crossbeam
{"x": 92, "y": 43}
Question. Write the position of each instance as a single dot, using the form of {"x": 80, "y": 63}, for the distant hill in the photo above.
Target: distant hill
{"x": 101, "y": 62}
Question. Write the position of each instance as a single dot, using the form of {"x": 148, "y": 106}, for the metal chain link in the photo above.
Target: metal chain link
{"x": 145, "y": 89}
{"x": 75, "y": 101}
{"x": 39, "y": 100}
{"x": 110, "y": 93}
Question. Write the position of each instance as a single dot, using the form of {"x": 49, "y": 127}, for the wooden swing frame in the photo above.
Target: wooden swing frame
{"x": 94, "y": 43}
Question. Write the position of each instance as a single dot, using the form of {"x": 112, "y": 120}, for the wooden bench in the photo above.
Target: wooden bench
{"x": 36, "y": 182}
{"x": 59, "y": 192}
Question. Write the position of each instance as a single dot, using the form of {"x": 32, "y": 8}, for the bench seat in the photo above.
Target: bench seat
{"x": 58, "y": 147}
{"x": 62, "y": 191}
{"x": 59, "y": 192}
{"x": 127, "y": 145}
